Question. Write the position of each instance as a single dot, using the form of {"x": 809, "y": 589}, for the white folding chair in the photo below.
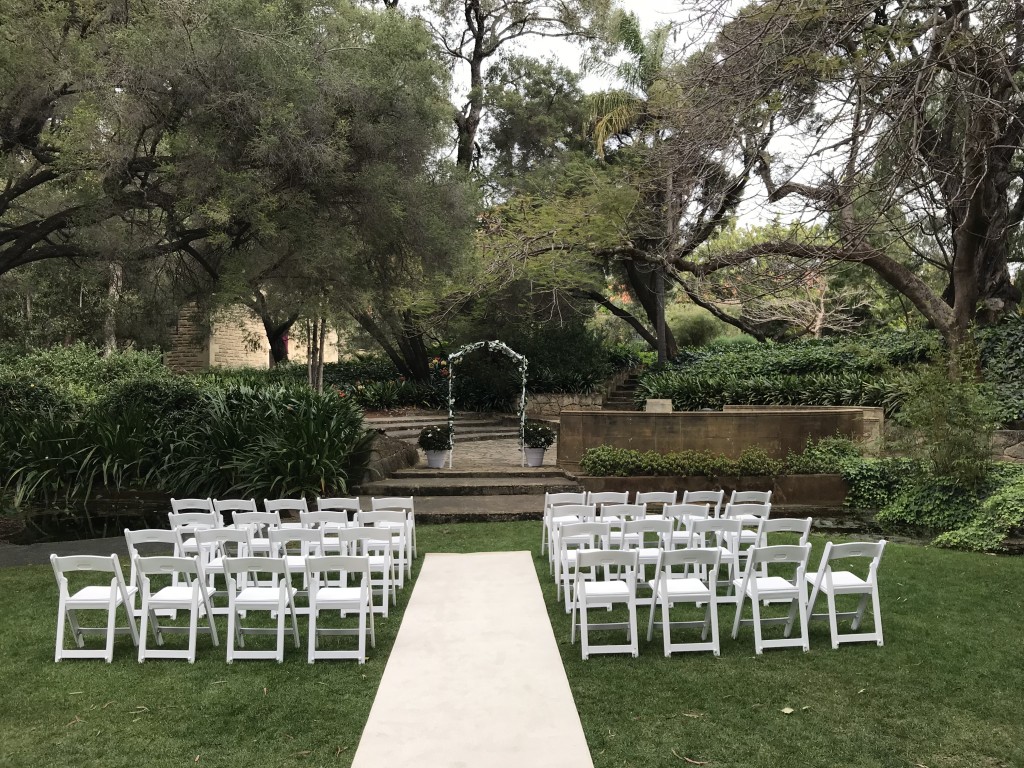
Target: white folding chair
{"x": 573, "y": 538}
{"x": 681, "y": 516}
{"x": 750, "y": 514}
{"x": 559, "y": 515}
{"x": 668, "y": 589}
{"x": 347, "y": 504}
{"x": 723, "y": 536}
{"x": 287, "y": 508}
{"x": 216, "y": 544}
{"x": 170, "y": 540}
{"x": 192, "y": 505}
{"x": 776, "y": 589}
{"x": 94, "y": 597}
{"x": 406, "y": 504}
{"x": 185, "y": 591}
{"x": 750, "y": 497}
{"x": 246, "y": 593}
{"x": 553, "y": 500}
{"x": 712, "y": 498}
{"x": 187, "y": 521}
{"x": 798, "y": 525}
{"x": 393, "y": 521}
{"x": 375, "y": 544}
{"x": 232, "y": 506}
{"x": 325, "y": 595}
{"x": 659, "y": 498}
{"x": 593, "y": 592}
{"x": 648, "y": 538}
{"x": 836, "y": 583}
{"x": 328, "y": 523}
{"x": 259, "y": 525}
{"x": 310, "y": 543}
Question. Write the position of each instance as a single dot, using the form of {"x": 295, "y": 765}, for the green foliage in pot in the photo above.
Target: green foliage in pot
{"x": 436, "y": 437}
{"x": 537, "y": 435}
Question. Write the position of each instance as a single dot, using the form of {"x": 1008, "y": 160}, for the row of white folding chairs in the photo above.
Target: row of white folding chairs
{"x": 619, "y": 586}
{"x": 749, "y": 514}
{"x": 191, "y": 514}
{"x": 713, "y": 500}
{"x": 245, "y": 594}
{"x": 727, "y": 535}
{"x": 384, "y": 543}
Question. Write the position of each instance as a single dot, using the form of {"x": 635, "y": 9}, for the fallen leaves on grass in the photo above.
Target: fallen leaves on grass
{"x": 688, "y": 760}
{"x": 787, "y": 710}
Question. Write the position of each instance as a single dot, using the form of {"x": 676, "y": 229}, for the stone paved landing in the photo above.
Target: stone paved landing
{"x": 475, "y": 679}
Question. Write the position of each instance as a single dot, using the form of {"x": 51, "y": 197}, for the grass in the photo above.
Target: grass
{"x": 945, "y": 691}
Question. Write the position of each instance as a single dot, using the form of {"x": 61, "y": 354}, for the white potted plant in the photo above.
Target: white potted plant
{"x": 436, "y": 442}
{"x": 537, "y": 438}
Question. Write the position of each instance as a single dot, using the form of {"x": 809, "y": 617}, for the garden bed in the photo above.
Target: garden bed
{"x": 789, "y": 490}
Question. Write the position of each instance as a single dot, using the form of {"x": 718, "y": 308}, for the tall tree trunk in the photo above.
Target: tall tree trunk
{"x": 114, "y": 289}
{"x": 467, "y": 121}
{"x": 642, "y": 280}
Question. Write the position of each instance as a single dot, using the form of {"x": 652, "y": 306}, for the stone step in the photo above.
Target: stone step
{"x": 481, "y": 485}
{"x": 419, "y": 423}
{"x": 473, "y": 473}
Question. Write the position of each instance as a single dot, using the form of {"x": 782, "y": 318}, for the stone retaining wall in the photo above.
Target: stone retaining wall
{"x": 1008, "y": 445}
{"x": 549, "y": 406}
{"x": 389, "y": 455}
{"x": 778, "y": 433}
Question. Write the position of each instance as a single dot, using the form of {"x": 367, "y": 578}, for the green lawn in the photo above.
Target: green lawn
{"x": 946, "y": 690}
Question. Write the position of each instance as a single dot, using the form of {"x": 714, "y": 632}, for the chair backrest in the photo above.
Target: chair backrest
{"x": 285, "y": 505}
{"x": 594, "y": 559}
{"x": 711, "y": 498}
{"x": 683, "y": 513}
{"x": 586, "y": 535}
{"x": 319, "y": 568}
{"x": 168, "y": 538}
{"x": 727, "y": 533}
{"x": 392, "y": 502}
{"x": 235, "y": 566}
{"x": 235, "y": 505}
{"x": 310, "y": 541}
{"x": 195, "y": 519}
{"x": 871, "y": 549}
{"x": 800, "y": 525}
{"x": 622, "y": 511}
{"x": 607, "y": 497}
{"x": 655, "y": 497}
{"x": 394, "y": 519}
{"x": 214, "y": 542}
{"x": 337, "y": 504}
{"x": 259, "y": 523}
{"x": 670, "y": 559}
{"x": 750, "y": 497}
{"x": 752, "y": 509}
{"x": 192, "y": 505}
{"x": 779, "y": 553}
{"x": 188, "y": 567}
{"x": 359, "y": 541}
{"x": 644, "y": 530}
{"x": 565, "y": 497}
{"x": 328, "y": 521}
{"x": 62, "y": 566}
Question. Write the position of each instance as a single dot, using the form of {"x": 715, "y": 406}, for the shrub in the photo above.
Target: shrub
{"x": 436, "y": 437}
{"x": 873, "y": 483}
{"x": 828, "y": 455}
{"x": 537, "y": 435}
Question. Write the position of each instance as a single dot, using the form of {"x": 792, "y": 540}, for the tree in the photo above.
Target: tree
{"x": 472, "y": 32}
{"x": 909, "y": 139}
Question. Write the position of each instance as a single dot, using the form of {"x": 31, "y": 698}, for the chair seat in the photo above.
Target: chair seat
{"x": 337, "y": 595}
{"x": 96, "y": 596}
{"x": 605, "y": 589}
{"x": 682, "y": 588}
{"x": 260, "y": 596}
{"x": 379, "y": 562}
{"x": 770, "y": 587}
{"x": 180, "y": 595}
{"x": 843, "y": 582}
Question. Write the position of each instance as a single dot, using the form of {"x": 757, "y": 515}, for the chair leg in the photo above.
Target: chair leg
{"x": 876, "y": 610}
{"x": 802, "y": 608}
{"x": 193, "y": 625}
{"x": 634, "y": 641}
{"x": 713, "y": 610}
{"x": 584, "y": 629}
{"x": 833, "y": 623}
{"x": 111, "y": 626}
{"x": 755, "y": 607}
{"x": 666, "y": 623}
{"x": 281, "y": 605}
{"x": 362, "y": 636}
{"x": 58, "y": 651}
{"x": 739, "y": 615}
{"x": 311, "y": 649}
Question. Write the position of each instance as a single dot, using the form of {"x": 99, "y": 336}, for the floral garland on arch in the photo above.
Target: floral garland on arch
{"x": 492, "y": 346}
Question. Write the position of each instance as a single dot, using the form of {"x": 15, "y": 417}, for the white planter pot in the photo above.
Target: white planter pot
{"x": 436, "y": 459}
{"x": 534, "y": 456}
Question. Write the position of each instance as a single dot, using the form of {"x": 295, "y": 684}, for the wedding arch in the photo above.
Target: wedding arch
{"x": 492, "y": 346}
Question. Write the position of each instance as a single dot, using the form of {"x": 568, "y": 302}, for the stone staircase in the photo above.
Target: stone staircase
{"x": 487, "y": 480}
{"x": 621, "y": 398}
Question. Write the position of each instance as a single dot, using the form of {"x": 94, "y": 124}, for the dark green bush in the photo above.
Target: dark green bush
{"x": 873, "y": 483}
{"x": 828, "y": 455}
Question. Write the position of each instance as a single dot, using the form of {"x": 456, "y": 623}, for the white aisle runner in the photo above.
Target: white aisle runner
{"x": 475, "y": 679}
